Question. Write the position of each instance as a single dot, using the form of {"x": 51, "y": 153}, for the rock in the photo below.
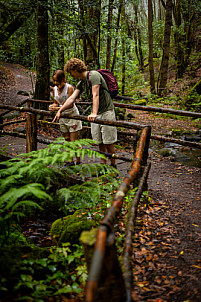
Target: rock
{"x": 164, "y": 152}
{"x": 69, "y": 228}
{"x": 23, "y": 92}
{"x": 20, "y": 130}
{"x": 141, "y": 102}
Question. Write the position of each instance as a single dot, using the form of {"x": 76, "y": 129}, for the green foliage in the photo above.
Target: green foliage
{"x": 51, "y": 273}
{"x": 192, "y": 101}
{"x": 69, "y": 228}
{"x": 37, "y": 180}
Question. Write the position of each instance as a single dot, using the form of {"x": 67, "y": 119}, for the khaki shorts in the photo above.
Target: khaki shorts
{"x": 66, "y": 125}
{"x": 103, "y": 133}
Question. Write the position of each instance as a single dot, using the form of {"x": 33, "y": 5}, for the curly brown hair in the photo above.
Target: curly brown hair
{"x": 75, "y": 64}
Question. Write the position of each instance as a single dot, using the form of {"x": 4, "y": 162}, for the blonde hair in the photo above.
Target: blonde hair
{"x": 75, "y": 64}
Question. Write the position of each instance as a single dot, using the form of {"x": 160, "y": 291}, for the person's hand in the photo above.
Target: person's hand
{"x": 92, "y": 117}
{"x": 74, "y": 127}
{"x": 57, "y": 117}
{"x": 53, "y": 107}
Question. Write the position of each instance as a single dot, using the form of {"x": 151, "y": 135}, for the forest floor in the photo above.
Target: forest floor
{"x": 167, "y": 249}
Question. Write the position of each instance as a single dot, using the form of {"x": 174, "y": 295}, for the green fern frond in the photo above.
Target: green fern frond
{"x": 8, "y": 182}
{"x": 35, "y": 189}
{"x": 18, "y": 215}
{"x": 12, "y": 168}
{"x": 26, "y": 204}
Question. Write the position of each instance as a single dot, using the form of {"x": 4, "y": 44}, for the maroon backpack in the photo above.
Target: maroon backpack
{"x": 110, "y": 81}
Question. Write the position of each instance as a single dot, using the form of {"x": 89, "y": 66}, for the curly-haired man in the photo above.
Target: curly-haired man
{"x": 94, "y": 85}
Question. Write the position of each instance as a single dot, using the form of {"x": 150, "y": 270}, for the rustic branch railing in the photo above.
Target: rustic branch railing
{"x": 104, "y": 268}
{"x": 97, "y": 287}
{"x": 128, "y": 106}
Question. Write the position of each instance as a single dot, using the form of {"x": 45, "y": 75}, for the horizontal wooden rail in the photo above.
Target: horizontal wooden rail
{"x": 159, "y": 109}
{"x": 124, "y": 124}
{"x": 151, "y": 108}
{"x": 129, "y": 106}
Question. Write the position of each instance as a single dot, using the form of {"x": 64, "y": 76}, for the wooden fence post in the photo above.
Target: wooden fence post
{"x": 31, "y": 130}
{"x": 110, "y": 285}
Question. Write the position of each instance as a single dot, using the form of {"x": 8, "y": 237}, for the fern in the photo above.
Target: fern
{"x": 9, "y": 198}
{"x": 9, "y": 182}
{"x": 31, "y": 180}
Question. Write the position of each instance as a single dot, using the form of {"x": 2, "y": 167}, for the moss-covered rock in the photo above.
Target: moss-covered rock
{"x": 130, "y": 116}
{"x": 120, "y": 113}
{"x": 69, "y": 228}
{"x": 141, "y": 102}
{"x": 165, "y": 152}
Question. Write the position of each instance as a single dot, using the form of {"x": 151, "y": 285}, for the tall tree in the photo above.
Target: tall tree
{"x": 139, "y": 52}
{"x": 187, "y": 18}
{"x": 162, "y": 76}
{"x": 90, "y": 17}
{"x": 43, "y": 68}
{"x": 12, "y": 18}
{"x": 123, "y": 69}
{"x": 109, "y": 38}
{"x": 116, "y": 39}
{"x": 150, "y": 32}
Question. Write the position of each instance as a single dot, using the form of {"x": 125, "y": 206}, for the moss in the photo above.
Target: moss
{"x": 165, "y": 152}
{"x": 69, "y": 228}
{"x": 141, "y": 102}
{"x": 130, "y": 116}
{"x": 177, "y": 131}
{"x": 88, "y": 237}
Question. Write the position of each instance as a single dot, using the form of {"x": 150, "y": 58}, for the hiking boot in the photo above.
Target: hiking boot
{"x": 69, "y": 164}
{"x": 113, "y": 165}
{"x": 78, "y": 163}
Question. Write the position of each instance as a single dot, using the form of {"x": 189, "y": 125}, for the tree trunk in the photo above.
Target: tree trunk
{"x": 179, "y": 45}
{"x": 116, "y": 40}
{"x": 150, "y": 30}
{"x": 138, "y": 39}
{"x": 162, "y": 77}
{"x": 16, "y": 23}
{"x": 90, "y": 18}
{"x": 109, "y": 38}
{"x": 43, "y": 68}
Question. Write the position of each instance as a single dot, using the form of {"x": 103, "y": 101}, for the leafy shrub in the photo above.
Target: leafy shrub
{"x": 36, "y": 180}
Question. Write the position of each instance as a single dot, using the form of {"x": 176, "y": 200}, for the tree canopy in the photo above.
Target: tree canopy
{"x": 107, "y": 34}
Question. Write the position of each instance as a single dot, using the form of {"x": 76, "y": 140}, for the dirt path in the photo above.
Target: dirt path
{"x": 167, "y": 250}
{"x": 13, "y": 79}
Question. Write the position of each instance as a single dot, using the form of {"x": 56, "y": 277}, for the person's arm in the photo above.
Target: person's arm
{"x": 54, "y": 106}
{"x": 70, "y": 90}
{"x": 68, "y": 104}
{"x": 95, "y": 93}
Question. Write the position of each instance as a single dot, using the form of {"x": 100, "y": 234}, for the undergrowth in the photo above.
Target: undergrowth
{"x": 32, "y": 183}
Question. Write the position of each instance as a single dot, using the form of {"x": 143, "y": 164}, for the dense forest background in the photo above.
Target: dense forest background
{"x": 153, "y": 47}
{"x": 149, "y": 45}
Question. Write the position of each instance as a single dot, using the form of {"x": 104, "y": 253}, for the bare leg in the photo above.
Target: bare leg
{"x": 110, "y": 149}
{"x": 74, "y": 137}
{"x": 66, "y": 136}
{"x": 102, "y": 148}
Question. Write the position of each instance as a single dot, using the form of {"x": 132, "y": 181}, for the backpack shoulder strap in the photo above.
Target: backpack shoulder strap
{"x": 88, "y": 77}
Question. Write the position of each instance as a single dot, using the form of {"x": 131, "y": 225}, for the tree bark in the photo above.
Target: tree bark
{"x": 90, "y": 16}
{"x": 16, "y": 24}
{"x": 109, "y": 38}
{"x": 150, "y": 31}
{"x": 138, "y": 38}
{"x": 116, "y": 40}
{"x": 162, "y": 77}
{"x": 43, "y": 68}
